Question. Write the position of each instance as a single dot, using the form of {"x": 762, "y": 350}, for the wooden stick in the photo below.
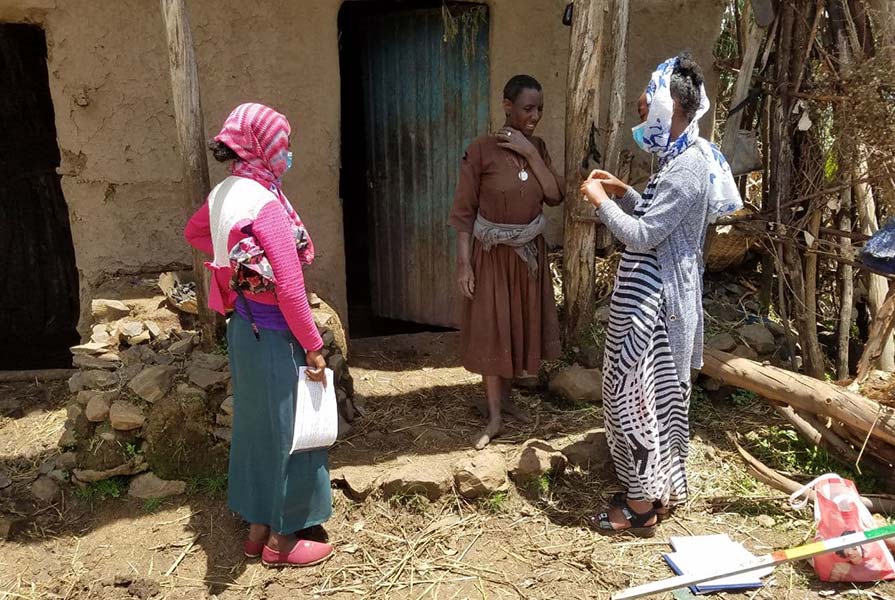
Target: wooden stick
{"x": 818, "y": 434}
{"x": 182, "y": 555}
{"x": 753, "y": 42}
{"x": 880, "y": 331}
{"x": 36, "y": 374}
{"x": 760, "y": 562}
{"x": 846, "y": 288}
{"x": 778, "y": 481}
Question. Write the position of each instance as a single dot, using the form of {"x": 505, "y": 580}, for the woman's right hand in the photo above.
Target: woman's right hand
{"x": 466, "y": 280}
{"x": 316, "y": 370}
{"x": 611, "y": 183}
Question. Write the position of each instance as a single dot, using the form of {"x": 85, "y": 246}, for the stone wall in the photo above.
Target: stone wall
{"x": 145, "y": 399}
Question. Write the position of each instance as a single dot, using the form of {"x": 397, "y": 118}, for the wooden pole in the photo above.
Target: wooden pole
{"x": 191, "y": 138}
{"x": 880, "y": 331}
{"x": 618, "y": 75}
{"x": 877, "y": 287}
{"x": 754, "y": 38}
{"x": 582, "y": 113}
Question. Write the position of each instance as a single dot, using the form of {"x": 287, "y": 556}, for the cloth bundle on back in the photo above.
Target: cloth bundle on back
{"x": 247, "y": 215}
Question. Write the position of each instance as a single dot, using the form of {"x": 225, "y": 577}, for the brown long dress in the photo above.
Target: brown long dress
{"x": 510, "y": 325}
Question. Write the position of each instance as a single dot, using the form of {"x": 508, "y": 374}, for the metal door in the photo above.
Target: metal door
{"x": 426, "y": 89}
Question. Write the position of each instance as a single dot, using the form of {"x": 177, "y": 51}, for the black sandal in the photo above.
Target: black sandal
{"x": 620, "y": 499}
{"x": 637, "y": 523}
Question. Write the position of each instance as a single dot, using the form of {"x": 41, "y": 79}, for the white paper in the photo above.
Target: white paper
{"x": 699, "y": 554}
{"x": 316, "y": 413}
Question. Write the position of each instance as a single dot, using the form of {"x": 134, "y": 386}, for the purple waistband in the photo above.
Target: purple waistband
{"x": 265, "y": 316}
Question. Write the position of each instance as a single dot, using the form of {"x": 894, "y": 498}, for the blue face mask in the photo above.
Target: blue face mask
{"x": 288, "y": 160}
{"x": 637, "y": 133}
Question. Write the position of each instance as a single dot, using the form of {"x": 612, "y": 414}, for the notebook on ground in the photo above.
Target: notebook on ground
{"x": 698, "y": 554}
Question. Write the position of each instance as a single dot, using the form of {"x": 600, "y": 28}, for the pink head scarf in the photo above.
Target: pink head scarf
{"x": 259, "y": 135}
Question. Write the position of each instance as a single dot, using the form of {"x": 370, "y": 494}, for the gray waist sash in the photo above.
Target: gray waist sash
{"x": 522, "y": 238}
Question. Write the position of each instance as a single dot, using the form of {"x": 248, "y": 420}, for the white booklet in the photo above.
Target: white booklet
{"x": 705, "y": 553}
{"x": 316, "y": 413}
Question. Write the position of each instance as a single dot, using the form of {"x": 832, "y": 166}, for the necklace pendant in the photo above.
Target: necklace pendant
{"x": 523, "y": 175}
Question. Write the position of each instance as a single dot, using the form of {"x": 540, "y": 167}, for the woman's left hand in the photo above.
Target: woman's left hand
{"x": 316, "y": 367}
{"x": 593, "y": 192}
{"x": 514, "y": 141}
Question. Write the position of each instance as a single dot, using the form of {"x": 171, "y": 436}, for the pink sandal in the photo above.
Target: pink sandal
{"x": 252, "y": 549}
{"x": 305, "y": 553}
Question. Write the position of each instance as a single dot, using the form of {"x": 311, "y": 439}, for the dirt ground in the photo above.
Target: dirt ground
{"x": 530, "y": 543}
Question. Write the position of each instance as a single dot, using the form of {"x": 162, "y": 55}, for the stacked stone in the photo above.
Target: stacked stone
{"x": 335, "y": 351}
{"x": 146, "y": 399}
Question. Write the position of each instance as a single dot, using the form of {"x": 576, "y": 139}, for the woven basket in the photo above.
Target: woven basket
{"x": 726, "y": 245}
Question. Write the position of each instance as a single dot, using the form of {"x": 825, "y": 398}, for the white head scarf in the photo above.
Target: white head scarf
{"x": 724, "y": 196}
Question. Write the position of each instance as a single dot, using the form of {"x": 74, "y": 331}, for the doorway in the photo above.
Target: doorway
{"x": 39, "y": 286}
{"x": 415, "y": 93}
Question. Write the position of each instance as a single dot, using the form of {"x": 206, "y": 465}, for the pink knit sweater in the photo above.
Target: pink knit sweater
{"x": 272, "y": 229}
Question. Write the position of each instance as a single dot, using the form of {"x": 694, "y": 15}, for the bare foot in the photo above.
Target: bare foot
{"x": 491, "y": 431}
{"x": 507, "y": 407}
{"x": 510, "y": 408}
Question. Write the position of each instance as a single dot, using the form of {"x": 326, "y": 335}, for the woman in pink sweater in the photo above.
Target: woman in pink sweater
{"x": 283, "y": 496}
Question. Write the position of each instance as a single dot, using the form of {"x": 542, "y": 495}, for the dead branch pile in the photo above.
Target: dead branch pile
{"x": 816, "y": 86}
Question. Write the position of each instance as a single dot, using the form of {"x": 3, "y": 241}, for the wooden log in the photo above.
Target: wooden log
{"x": 618, "y": 93}
{"x": 36, "y": 375}
{"x": 880, "y": 330}
{"x": 807, "y": 328}
{"x": 880, "y": 452}
{"x": 803, "y": 393}
{"x": 191, "y": 139}
{"x": 582, "y": 113}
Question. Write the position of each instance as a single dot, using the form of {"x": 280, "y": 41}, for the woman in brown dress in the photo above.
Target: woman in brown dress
{"x": 509, "y": 323}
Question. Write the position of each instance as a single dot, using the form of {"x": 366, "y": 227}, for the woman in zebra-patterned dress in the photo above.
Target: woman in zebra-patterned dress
{"x": 654, "y": 336}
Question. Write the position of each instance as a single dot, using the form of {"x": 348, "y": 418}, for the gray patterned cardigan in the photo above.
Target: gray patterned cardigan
{"x": 675, "y": 226}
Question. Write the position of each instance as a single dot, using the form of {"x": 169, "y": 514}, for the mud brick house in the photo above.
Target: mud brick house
{"x": 383, "y": 97}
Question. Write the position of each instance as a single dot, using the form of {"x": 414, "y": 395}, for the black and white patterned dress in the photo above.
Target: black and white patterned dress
{"x": 645, "y": 404}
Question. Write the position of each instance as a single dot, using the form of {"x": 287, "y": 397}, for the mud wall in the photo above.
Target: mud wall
{"x": 110, "y": 86}
{"x": 658, "y": 30}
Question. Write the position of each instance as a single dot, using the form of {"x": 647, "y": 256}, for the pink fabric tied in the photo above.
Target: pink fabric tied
{"x": 259, "y": 135}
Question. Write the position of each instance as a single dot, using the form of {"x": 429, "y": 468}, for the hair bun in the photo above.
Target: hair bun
{"x": 221, "y": 151}
{"x": 687, "y": 67}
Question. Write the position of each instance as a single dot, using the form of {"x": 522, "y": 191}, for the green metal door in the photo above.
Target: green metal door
{"x": 426, "y": 89}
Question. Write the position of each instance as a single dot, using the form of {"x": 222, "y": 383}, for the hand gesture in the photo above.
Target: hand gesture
{"x": 593, "y": 192}
{"x": 514, "y": 141}
{"x": 316, "y": 367}
{"x": 466, "y": 280}
{"x": 611, "y": 183}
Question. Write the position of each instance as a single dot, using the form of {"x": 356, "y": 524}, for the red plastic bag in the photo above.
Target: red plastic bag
{"x": 838, "y": 511}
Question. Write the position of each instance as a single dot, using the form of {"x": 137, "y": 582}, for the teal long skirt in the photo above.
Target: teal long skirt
{"x": 268, "y": 485}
